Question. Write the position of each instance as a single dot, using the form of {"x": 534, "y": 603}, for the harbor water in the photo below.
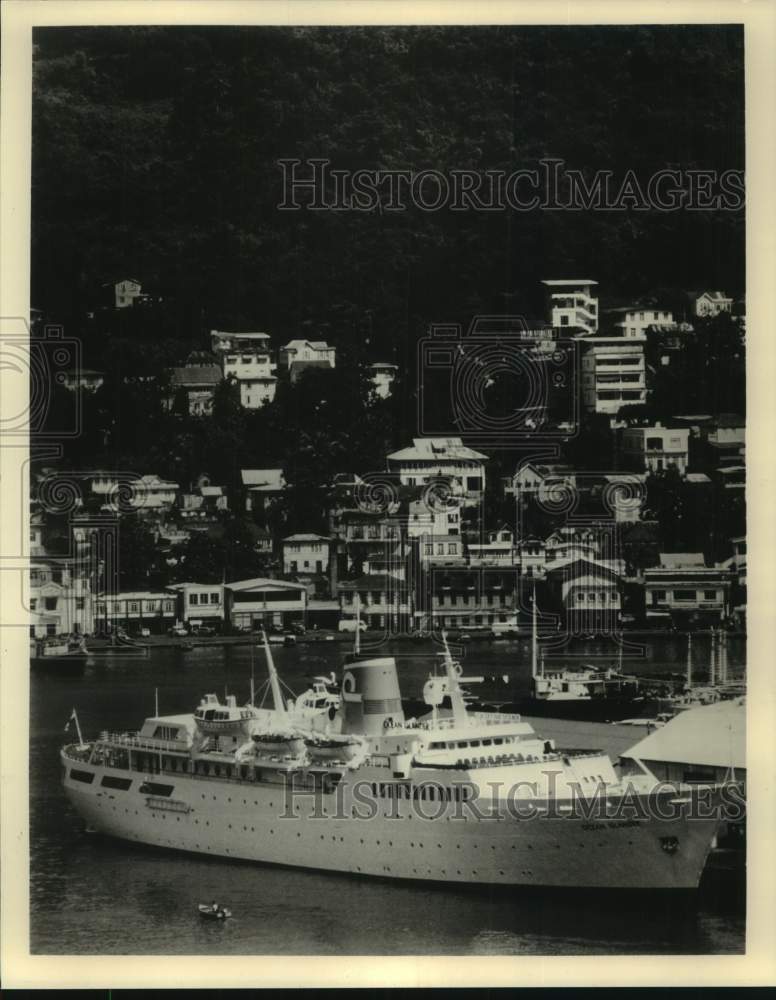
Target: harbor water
{"x": 91, "y": 895}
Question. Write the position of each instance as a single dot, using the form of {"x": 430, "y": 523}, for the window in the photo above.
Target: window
{"x": 51, "y": 603}
{"x": 56, "y": 576}
{"x": 685, "y": 595}
{"x": 452, "y": 549}
{"x": 169, "y": 605}
{"x": 79, "y": 603}
{"x": 655, "y": 443}
{"x": 440, "y": 548}
{"x": 564, "y": 321}
{"x": 709, "y": 595}
{"x": 193, "y": 598}
{"x": 473, "y": 483}
{"x": 33, "y": 603}
{"x": 428, "y": 549}
{"x": 133, "y": 607}
{"x": 34, "y": 575}
{"x": 214, "y": 598}
{"x": 654, "y": 315}
{"x": 293, "y": 565}
{"x": 376, "y": 597}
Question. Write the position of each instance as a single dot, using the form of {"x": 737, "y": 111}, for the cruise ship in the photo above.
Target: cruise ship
{"x": 345, "y": 783}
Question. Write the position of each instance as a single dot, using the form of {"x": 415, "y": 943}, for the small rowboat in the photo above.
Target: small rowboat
{"x": 208, "y": 913}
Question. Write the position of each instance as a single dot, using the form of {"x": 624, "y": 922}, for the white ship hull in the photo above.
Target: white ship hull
{"x": 245, "y": 820}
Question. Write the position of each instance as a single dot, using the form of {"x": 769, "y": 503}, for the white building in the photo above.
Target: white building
{"x": 83, "y": 378}
{"x": 382, "y": 376}
{"x": 531, "y": 479}
{"x": 307, "y": 350}
{"x": 656, "y": 448}
{"x": 305, "y": 553}
{"x": 441, "y": 458}
{"x": 613, "y": 373}
{"x": 125, "y": 292}
{"x": 634, "y": 321}
{"x": 712, "y": 304}
{"x": 262, "y": 486}
{"x": 572, "y": 305}
{"x": 255, "y": 376}
{"x": 60, "y": 599}
{"x": 199, "y": 603}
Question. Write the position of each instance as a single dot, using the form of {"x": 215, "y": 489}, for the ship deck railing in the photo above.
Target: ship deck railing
{"x": 472, "y": 719}
{"x": 134, "y": 741}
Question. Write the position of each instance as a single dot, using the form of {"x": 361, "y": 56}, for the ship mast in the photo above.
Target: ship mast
{"x": 453, "y": 686}
{"x": 689, "y": 661}
{"x": 357, "y": 637}
{"x": 712, "y": 662}
{"x": 534, "y": 638}
{"x": 274, "y": 682}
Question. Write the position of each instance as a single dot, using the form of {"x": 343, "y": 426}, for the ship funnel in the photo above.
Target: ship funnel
{"x": 371, "y": 698}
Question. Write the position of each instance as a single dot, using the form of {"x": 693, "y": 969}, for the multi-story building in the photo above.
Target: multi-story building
{"x": 442, "y": 459}
{"x": 265, "y": 602}
{"x": 306, "y": 553}
{"x": 532, "y": 478}
{"x": 254, "y": 373}
{"x": 383, "y": 601}
{"x": 531, "y": 555}
{"x": 61, "y": 600}
{"x": 687, "y": 590}
{"x": 441, "y": 550}
{"x": 135, "y": 611}
{"x": 428, "y": 519}
{"x": 571, "y": 304}
{"x": 452, "y": 597}
{"x": 656, "y": 448}
{"x": 589, "y": 593}
{"x": 634, "y": 321}
{"x": 499, "y": 550}
{"x": 125, "y": 292}
{"x": 712, "y": 304}
{"x": 613, "y": 373}
{"x": 199, "y": 603}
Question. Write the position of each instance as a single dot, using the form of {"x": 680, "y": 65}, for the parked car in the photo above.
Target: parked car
{"x": 203, "y": 630}
{"x": 349, "y": 625}
{"x": 177, "y": 630}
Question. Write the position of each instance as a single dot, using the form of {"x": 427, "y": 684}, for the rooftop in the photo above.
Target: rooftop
{"x": 559, "y": 282}
{"x": 682, "y": 560}
{"x": 263, "y": 479}
{"x": 262, "y": 583}
{"x": 441, "y": 449}
{"x": 306, "y": 538}
{"x": 195, "y": 375}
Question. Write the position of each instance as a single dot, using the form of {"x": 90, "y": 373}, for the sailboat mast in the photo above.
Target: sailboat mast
{"x": 274, "y": 682}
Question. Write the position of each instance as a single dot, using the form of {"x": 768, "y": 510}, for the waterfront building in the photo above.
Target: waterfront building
{"x": 588, "y": 591}
{"x": 135, "y": 611}
{"x": 685, "y": 589}
{"x": 258, "y": 602}
{"x": 199, "y": 603}
{"x": 384, "y": 602}
{"x": 452, "y": 597}
{"x": 61, "y": 600}
{"x": 499, "y": 550}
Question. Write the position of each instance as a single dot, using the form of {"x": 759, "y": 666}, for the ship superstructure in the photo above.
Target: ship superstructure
{"x": 453, "y": 796}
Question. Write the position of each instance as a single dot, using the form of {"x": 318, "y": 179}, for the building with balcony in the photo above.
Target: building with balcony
{"x": 469, "y": 597}
{"x": 499, "y": 550}
{"x": 222, "y": 342}
{"x": 613, "y": 373}
{"x": 430, "y": 459}
{"x": 656, "y": 448}
{"x": 251, "y": 604}
{"x": 146, "y": 494}
{"x": 255, "y": 376}
{"x": 382, "y": 600}
{"x": 589, "y": 593}
{"x": 683, "y": 588}
{"x": 572, "y": 305}
{"x": 428, "y": 519}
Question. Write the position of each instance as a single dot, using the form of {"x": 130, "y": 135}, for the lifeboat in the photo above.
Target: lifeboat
{"x": 213, "y": 911}
{"x": 287, "y": 744}
{"x": 332, "y": 747}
